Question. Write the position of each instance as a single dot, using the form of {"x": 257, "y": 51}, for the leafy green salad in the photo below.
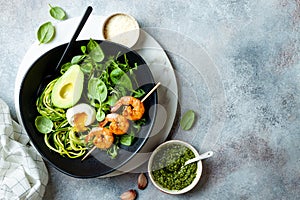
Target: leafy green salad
{"x": 91, "y": 83}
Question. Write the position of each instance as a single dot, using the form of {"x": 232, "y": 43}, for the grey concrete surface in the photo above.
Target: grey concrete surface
{"x": 247, "y": 107}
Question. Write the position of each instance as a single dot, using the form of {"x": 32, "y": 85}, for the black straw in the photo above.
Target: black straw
{"x": 72, "y": 41}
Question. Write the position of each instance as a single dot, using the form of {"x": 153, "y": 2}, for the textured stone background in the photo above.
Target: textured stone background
{"x": 255, "y": 46}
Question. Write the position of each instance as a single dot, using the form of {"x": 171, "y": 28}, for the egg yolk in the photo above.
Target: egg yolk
{"x": 79, "y": 121}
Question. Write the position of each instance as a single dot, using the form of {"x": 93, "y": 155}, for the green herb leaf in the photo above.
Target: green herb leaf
{"x": 137, "y": 124}
{"x": 138, "y": 93}
{"x": 187, "y": 120}
{"x": 46, "y": 33}
{"x": 113, "y": 151}
{"x": 119, "y": 77}
{"x": 97, "y": 89}
{"x": 65, "y": 67}
{"x": 83, "y": 49}
{"x": 116, "y": 75}
{"x": 43, "y": 124}
{"x": 86, "y": 67}
{"x": 100, "y": 115}
{"x": 91, "y": 45}
{"x": 126, "y": 139}
{"x": 57, "y": 13}
{"x": 95, "y": 51}
{"x": 111, "y": 100}
{"x": 77, "y": 59}
{"x": 122, "y": 91}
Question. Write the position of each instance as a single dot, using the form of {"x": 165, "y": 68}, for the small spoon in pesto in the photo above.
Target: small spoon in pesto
{"x": 200, "y": 157}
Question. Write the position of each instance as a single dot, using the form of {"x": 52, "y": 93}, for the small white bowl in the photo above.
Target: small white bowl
{"x": 194, "y": 182}
{"x": 121, "y": 28}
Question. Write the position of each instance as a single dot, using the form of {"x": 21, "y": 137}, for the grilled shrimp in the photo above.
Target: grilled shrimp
{"x": 102, "y": 137}
{"x": 118, "y": 123}
{"x": 134, "y": 108}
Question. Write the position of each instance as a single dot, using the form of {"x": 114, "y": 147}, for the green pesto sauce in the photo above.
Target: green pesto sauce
{"x": 167, "y": 167}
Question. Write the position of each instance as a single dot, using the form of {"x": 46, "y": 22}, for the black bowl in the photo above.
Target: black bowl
{"x": 99, "y": 163}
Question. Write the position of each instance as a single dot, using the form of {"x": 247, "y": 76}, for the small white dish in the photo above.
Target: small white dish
{"x": 121, "y": 28}
{"x": 169, "y": 144}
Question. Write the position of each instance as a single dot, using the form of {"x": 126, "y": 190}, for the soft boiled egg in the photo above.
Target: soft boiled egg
{"x": 80, "y": 116}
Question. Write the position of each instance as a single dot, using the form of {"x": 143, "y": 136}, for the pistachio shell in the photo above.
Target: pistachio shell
{"x": 129, "y": 195}
{"x": 142, "y": 181}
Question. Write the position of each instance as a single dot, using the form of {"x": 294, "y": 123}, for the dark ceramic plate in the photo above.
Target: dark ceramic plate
{"x": 99, "y": 163}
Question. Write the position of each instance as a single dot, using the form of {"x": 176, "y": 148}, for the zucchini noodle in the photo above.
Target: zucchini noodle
{"x": 45, "y": 107}
{"x": 63, "y": 139}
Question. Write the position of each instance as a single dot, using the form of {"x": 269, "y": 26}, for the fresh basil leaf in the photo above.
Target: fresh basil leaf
{"x": 111, "y": 100}
{"x": 91, "y": 45}
{"x": 102, "y": 91}
{"x": 57, "y": 13}
{"x": 43, "y": 124}
{"x": 46, "y": 32}
{"x": 95, "y": 51}
{"x": 187, "y": 120}
{"x": 126, "y": 139}
{"x": 77, "y": 59}
{"x": 119, "y": 77}
{"x": 83, "y": 49}
{"x": 100, "y": 115}
{"x": 86, "y": 67}
{"x": 116, "y": 75}
{"x": 97, "y": 89}
{"x": 121, "y": 91}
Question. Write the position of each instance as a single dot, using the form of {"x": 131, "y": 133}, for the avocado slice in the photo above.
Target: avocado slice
{"x": 68, "y": 88}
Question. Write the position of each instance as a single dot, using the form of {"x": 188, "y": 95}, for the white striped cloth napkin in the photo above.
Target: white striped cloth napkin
{"x": 23, "y": 174}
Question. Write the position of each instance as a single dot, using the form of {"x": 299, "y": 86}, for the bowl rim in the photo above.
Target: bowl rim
{"x": 199, "y": 167}
{"x": 42, "y": 153}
